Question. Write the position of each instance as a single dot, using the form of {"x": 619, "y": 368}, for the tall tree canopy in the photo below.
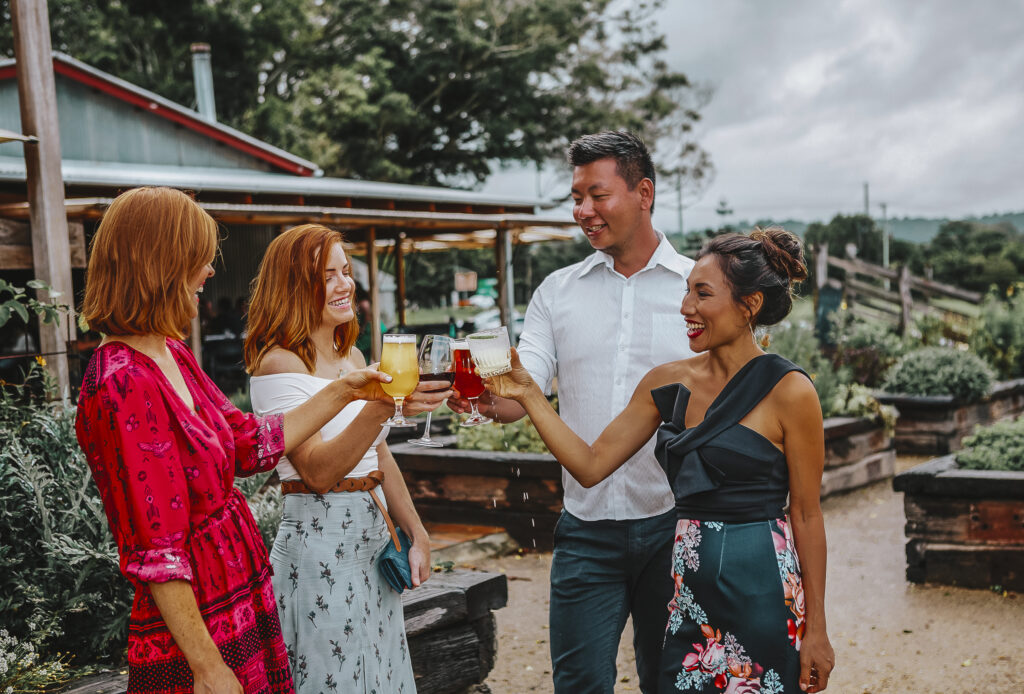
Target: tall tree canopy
{"x": 419, "y": 91}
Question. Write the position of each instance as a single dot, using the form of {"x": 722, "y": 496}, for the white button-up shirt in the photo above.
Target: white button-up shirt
{"x": 599, "y": 333}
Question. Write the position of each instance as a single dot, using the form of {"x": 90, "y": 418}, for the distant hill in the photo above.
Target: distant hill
{"x": 914, "y": 229}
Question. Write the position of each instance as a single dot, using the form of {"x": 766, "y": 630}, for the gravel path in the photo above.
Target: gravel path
{"x": 889, "y": 635}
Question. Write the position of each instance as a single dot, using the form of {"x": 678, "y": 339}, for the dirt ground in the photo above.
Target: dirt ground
{"x": 889, "y": 635}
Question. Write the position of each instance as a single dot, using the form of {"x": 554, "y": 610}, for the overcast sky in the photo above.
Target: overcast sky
{"x": 923, "y": 100}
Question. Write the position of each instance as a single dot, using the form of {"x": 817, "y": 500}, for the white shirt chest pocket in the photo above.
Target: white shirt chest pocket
{"x": 668, "y": 338}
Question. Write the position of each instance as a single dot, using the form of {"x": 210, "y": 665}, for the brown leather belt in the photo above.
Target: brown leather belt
{"x": 351, "y": 484}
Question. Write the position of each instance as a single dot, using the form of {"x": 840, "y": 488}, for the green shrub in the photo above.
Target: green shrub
{"x": 516, "y": 437}
{"x": 940, "y": 371}
{"x": 839, "y": 396}
{"x": 867, "y": 349}
{"x": 58, "y": 563}
{"x": 998, "y": 336}
{"x": 996, "y": 447}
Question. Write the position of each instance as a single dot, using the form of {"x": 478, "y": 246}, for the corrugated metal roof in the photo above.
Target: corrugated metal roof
{"x": 199, "y": 179}
{"x": 179, "y": 113}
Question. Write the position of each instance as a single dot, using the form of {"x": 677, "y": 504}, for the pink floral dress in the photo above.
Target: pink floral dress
{"x": 165, "y": 473}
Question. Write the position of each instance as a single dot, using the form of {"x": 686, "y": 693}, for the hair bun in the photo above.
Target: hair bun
{"x": 782, "y": 251}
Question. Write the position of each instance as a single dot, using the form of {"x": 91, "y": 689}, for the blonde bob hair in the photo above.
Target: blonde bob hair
{"x": 289, "y": 295}
{"x": 150, "y": 244}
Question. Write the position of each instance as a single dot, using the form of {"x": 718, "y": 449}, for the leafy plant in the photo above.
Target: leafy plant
{"x": 20, "y": 304}
{"x": 58, "y": 562}
{"x": 940, "y": 371}
{"x": 868, "y": 349}
{"x": 998, "y": 336}
{"x": 516, "y": 437}
{"x": 999, "y": 446}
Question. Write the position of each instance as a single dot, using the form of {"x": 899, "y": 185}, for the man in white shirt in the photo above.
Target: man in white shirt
{"x": 598, "y": 326}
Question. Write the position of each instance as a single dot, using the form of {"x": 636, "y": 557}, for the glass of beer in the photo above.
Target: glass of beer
{"x": 436, "y": 364}
{"x": 398, "y": 360}
{"x": 468, "y": 382}
{"x": 491, "y": 351}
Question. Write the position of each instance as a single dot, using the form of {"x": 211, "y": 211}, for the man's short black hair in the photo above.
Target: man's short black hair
{"x": 632, "y": 160}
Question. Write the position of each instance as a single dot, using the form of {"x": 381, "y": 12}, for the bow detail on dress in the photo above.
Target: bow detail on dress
{"x": 678, "y": 448}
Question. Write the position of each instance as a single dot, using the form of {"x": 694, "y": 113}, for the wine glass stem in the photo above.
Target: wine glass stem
{"x": 399, "y": 401}
{"x": 426, "y": 429}
{"x": 472, "y": 404}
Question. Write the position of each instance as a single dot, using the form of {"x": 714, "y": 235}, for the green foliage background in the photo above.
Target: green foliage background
{"x": 996, "y": 447}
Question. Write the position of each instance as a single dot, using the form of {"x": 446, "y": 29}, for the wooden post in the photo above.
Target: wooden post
{"x": 820, "y": 272}
{"x": 400, "y": 277}
{"x": 503, "y": 262}
{"x": 374, "y": 290}
{"x": 51, "y": 252}
{"x": 906, "y": 301}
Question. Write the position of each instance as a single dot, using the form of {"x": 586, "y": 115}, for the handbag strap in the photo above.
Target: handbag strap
{"x": 387, "y": 517}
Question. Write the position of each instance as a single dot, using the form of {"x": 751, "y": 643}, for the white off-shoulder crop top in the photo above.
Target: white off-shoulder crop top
{"x": 279, "y": 393}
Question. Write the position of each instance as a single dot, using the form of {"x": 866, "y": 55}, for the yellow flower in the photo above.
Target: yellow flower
{"x": 41, "y": 361}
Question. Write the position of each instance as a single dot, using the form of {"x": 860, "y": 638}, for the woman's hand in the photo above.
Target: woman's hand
{"x": 428, "y": 396}
{"x": 816, "y": 662}
{"x": 219, "y": 679}
{"x": 364, "y": 384}
{"x": 419, "y": 561}
{"x": 515, "y": 384}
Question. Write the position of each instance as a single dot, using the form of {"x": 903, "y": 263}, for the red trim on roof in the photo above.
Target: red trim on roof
{"x": 192, "y": 123}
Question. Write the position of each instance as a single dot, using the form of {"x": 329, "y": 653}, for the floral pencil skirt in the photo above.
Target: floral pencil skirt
{"x": 737, "y": 617}
{"x": 342, "y": 624}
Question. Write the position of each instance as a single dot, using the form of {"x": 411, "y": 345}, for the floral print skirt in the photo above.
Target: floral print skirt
{"x": 737, "y": 617}
{"x": 343, "y": 625}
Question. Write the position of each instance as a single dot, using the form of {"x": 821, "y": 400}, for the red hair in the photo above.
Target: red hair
{"x": 149, "y": 246}
{"x": 289, "y": 295}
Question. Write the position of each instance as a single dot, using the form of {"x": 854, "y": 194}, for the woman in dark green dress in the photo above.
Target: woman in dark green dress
{"x": 738, "y": 431}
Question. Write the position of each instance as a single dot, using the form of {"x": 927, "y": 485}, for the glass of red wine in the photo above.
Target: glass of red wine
{"x": 435, "y": 359}
{"x": 468, "y": 381}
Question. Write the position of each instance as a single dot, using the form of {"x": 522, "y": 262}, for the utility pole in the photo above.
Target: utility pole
{"x": 51, "y": 251}
{"x": 867, "y": 207}
{"x": 679, "y": 198}
{"x": 885, "y": 238}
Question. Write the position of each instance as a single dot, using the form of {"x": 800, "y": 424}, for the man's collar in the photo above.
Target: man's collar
{"x": 664, "y": 254}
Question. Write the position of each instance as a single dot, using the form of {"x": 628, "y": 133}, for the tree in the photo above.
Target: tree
{"x": 417, "y": 91}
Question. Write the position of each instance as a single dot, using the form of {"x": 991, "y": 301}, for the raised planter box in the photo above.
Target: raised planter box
{"x": 964, "y": 527}
{"x": 858, "y": 451}
{"x": 937, "y": 424}
{"x": 449, "y": 623}
{"x": 522, "y": 492}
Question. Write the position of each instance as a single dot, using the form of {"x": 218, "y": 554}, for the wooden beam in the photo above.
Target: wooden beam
{"x": 400, "y": 277}
{"x": 859, "y": 266}
{"x": 503, "y": 263}
{"x": 906, "y": 301}
{"x": 932, "y": 287}
{"x": 374, "y": 291}
{"x": 16, "y": 245}
{"x": 51, "y": 252}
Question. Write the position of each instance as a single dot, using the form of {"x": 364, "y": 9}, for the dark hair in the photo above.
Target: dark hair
{"x": 769, "y": 261}
{"x": 632, "y": 160}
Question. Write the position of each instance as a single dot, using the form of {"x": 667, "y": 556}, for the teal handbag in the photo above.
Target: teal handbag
{"x": 393, "y": 562}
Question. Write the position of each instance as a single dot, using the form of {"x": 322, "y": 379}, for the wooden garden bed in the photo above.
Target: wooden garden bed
{"x": 937, "y": 425}
{"x": 522, "y": 492}
{"x": 964, "y": 527}
{"x": 449, "y": 623}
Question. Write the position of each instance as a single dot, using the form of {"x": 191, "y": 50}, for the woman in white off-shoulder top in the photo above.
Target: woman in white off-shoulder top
{"x": 342, "y": 623}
